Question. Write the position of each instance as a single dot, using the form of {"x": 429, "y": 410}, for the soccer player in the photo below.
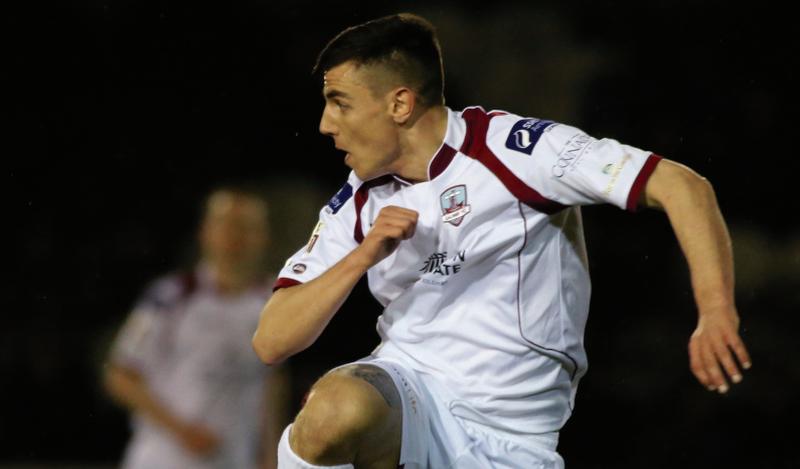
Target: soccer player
{"x": 469, "y": 229}
{"x": 183, "y": 364}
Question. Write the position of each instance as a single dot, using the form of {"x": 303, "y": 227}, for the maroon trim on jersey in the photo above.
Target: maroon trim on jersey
{"x": 441, "y": 160}
{"x": 519, "y": 299}
{"x": 641, "y": 181}
{"x": 362, "y": 194}
{"x": 189, "y": 283}
{"x": 475, "y": 146}
{"x": 284, "y": 282}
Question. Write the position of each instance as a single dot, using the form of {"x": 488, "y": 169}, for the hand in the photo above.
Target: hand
{"x": 394, "y": 224}
{"x": 198, "y": 440}
{"x": 713, "y": 346}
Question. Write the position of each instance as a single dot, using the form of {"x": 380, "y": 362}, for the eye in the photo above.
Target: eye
{"x": 339, "y": 104}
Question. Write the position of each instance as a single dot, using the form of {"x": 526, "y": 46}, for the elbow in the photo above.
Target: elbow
{"x": 691, "y": 179}
{"x": 118, "y": 382}
{"x": 268, "y": 350}
{"x": 700, "y": 187}
{"x": 113, "y": 379}
{"x": 699, "y": 182}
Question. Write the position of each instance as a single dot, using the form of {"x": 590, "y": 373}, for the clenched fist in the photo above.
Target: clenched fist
{"x": 393, "y": 225}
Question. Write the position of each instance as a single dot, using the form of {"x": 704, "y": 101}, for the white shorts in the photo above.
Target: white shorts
{"x": 434, "y": 438}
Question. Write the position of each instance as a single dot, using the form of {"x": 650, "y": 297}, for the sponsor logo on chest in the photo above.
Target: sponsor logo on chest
{"x": 438, "y": 263}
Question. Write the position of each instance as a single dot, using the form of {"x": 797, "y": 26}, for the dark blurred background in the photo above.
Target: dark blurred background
{"x": 122, "y": 115}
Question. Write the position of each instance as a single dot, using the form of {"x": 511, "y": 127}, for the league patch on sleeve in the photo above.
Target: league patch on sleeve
{"x": 314, "y": 236}
{"x": 525, "y": 134}
{"x": 340, "y": 198}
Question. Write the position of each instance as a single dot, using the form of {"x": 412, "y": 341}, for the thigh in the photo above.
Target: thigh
{"x": 381, "y": 445}
{"x": 416, "y": 431}
{"x": 353, "y": 414}
{"x": 376, "y": 377}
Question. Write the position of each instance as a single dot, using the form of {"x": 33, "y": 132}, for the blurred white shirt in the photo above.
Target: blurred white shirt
{"x": 192, "y": 346}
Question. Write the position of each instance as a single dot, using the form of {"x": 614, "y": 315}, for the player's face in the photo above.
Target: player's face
{"x": 359, "y": 120}
{"x": 234, "y": 231}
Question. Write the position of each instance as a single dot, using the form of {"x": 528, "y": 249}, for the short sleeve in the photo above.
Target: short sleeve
{"x": 570, "y": 167}
{"x": 330, "y": 241}
{"x": 136, "y": 344}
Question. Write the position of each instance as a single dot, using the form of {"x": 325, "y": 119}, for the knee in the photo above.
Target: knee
{"x": 341, "y": 412}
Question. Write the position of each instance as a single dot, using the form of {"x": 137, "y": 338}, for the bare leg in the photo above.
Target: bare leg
{"x": 352, "y": 415}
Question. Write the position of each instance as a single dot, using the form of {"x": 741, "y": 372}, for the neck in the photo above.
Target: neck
{"x": 231, "y": 278}
{"x": 419, "y": 142}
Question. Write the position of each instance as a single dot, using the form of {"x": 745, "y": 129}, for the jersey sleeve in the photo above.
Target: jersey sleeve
{"x": 330, "y": 241}
{"x": 137, "y": 344}
{"x": 569, "y": 167}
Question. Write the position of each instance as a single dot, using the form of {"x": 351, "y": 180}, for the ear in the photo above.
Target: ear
{"x": 402, "y": 104}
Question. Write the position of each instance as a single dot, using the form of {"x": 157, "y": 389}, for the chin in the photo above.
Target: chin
{"x": 361, "y": 175}
{"x": 368, "y": 175}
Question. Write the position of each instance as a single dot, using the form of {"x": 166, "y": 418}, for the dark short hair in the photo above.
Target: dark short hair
{"x": 404, "y": 43}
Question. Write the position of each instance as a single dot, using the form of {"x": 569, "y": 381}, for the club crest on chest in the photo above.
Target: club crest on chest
{"x": 454, "y": 204}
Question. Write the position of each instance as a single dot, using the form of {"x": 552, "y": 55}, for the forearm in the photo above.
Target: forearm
{"x": 703, "y": 236}
{"x": 691, "y": 206}
{"x": 130, "y": 390}
{"x": 295, "y": 317}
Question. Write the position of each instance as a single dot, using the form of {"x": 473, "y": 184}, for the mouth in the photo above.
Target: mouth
{"x": 346, "y": 153}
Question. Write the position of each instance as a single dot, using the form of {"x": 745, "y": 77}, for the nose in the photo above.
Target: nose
{"x": 326, "y": 125}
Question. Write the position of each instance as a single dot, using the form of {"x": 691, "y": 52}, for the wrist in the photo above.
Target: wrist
{"x": 714, "y": 299}
{"x": 360, "y": 260}
{"x": 711, "y": 306}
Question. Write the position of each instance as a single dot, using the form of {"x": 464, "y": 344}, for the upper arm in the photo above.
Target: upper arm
{"x": 670, "y": 179}
{"x": 134, "y": 346}
{"x": 136, "y": 343}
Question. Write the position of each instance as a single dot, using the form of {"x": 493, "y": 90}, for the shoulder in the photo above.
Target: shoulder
{"x": 168, "y": 290}
{"x": 343, "y": 195}
{"x": 352, "y": 191}
{"x": 509, "y": 135}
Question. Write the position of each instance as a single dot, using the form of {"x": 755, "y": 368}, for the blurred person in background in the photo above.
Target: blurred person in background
{"x": 182, "y": 363}
{"x": 469, "y": 228}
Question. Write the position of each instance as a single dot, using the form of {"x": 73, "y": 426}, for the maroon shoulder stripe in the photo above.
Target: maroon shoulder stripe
{"x": 475, "y": 146}
{"x": 640, "y": 181}
{"x": 441, "y": 160}
{"x": 361, "y": 197}
{"x": 284, "y": 282}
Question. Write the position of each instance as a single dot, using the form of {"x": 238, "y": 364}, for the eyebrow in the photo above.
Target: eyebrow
{"x": 332, "y": 94}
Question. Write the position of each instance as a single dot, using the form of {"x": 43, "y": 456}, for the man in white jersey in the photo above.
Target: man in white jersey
{"x": 183, "y": 364}
{"x": 469, "y": 229}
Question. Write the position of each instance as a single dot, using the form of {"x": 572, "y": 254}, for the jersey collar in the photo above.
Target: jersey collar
{"x": 453, "y": 138}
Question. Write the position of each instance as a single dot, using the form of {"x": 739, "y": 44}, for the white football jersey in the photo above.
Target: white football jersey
{"x": 491, "y": 294}
{"x": 192, "y": 346}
